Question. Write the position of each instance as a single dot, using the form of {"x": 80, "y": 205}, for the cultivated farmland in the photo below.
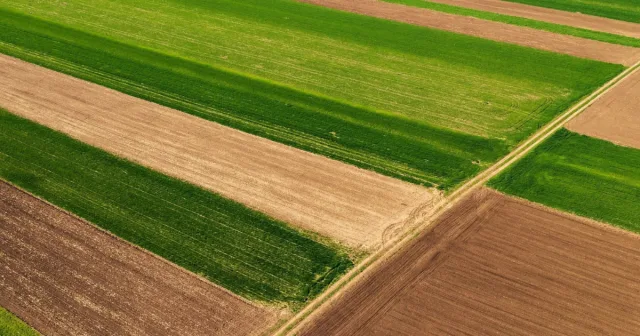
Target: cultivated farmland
{"x": 434, "y": 107}
{"x": 624, "y": 10}
{"x": 65, "y": 277}
{"x": 591, "y": 27}
{"x": 494, "y": 265}
{"x": 240, "y": 249}
{"x": 614, "y": 117}
{"x": 579, "y": 174}
{"x": 497, "y": 31}
{"x": 354, "y": 206}
{"x": 11, "y": 325}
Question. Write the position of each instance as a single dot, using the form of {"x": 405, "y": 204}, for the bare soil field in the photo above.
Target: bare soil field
{"x": 495, "y": 265}
{"x": 578, "y": 20}
{"x": 614, "y": 117}
{"x": 496, "y": 31}
{"x": 63, "y": 276}
{"x": 352, "y": 205}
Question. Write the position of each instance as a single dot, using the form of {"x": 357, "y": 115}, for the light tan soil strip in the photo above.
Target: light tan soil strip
{"x": 615, "y": 117}
{"x": 494, "y": 265}
{"x": 63, "y": 276}
{"x": 550, "y": 15}
{"x": 496, "y": 31}
{"x": 352, "y": 205}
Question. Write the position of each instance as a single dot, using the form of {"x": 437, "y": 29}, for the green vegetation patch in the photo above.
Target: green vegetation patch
{"x": 587, "y": 176}
{"x": 496, "y": 94}
{"x": 625, "y": 10}
{"x": 240, "y": 249}
{"x": 13, "y": 326}
{"x": 519, "y": 21}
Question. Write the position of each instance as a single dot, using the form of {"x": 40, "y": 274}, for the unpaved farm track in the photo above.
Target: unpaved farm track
{"x": 614, "y": 117}
{"x": 63, "y": 276}
{"x": 499, "y": 265}
{"x": 349, "y": 204}
{"x": 496, "y": 31}
{"x": 550, "y": 15}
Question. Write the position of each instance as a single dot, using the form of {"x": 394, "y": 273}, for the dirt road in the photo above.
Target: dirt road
{"x": 614, "y": 117}
{"x": 352, "y": 205}
{"x": 497, "y": 265}
{"x": 496, "y": 31}
{"x": 550, "y": 15}
{"x": 65, "y": 277}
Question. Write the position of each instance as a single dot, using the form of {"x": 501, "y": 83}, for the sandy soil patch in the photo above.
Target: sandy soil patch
{"x": 494, "y": 265}
{"x": 65, "y": 277}
{"x": 578, "y": 20}
{"x": 496, "y": 31}
{"x": 615, "y": 116}
{"x": 352, "y": 205}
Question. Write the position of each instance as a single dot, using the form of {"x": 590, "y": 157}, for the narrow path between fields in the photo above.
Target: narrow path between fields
{"x": 419, "y": 223}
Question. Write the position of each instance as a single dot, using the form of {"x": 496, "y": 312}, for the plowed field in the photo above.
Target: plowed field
{"x": 494, "y": 265}
{"x": 65, "y": 277}
{"x": 614, "y": 117}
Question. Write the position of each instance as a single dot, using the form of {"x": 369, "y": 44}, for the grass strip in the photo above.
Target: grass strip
{"x": 624, "y": 10}
{"x": 519, "y": 21}
{"x": 240, "y": 249}
{"x": 579, "y": 174}
{"x": 10, "y": 325}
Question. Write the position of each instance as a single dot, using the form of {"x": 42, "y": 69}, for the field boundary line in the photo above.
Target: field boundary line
{"x": 369, "y": 264}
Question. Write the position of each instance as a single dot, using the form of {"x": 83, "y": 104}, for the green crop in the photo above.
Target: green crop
{"x": 587, "y": 176}
{"x": 13, "y": 326}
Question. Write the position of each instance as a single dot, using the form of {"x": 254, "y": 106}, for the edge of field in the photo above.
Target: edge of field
{"x": 14, "y": 325}
{"x": 366, "y": 266}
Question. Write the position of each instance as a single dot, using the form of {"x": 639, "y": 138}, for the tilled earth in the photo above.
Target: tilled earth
{"x": 63, "y": 276}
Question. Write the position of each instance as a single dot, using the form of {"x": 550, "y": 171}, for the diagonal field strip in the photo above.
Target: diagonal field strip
{"x": 497, "y": 31}
{"x": 573, "y": 19}
{"x": 422, "y": 223}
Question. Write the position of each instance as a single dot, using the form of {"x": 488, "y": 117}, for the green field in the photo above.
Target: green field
{"x": 625, "y": 10}
{"x": 238, "y": 248}
{"x": 427, "y": 106}
{"x": 587, "y": 176}
{"x": 12, "y": 326}
{"x": 519, "y": 21}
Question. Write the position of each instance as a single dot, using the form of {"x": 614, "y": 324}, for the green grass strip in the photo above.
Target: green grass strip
{"x": 518, "y": 21}
{"x": 391, "y": 145}
{"x": 240, "y": 249}
{"x": 583, "y": 175}
{"x": 624, "y": 10}
{"x": 10, "y": 325}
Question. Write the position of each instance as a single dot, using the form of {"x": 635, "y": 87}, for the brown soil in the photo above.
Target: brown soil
{"x": 550, "y": 15}
{"x": 494, "y": 265}
{"x": 63, "y": 276}
{"x": 352, "y": 205}
{"x": 615, "y": 116}
{"x": 497, "y": 31}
